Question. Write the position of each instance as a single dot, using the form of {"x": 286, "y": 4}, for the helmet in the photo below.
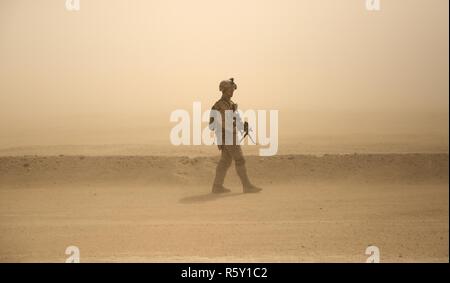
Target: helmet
{"x": 227, "y": 84}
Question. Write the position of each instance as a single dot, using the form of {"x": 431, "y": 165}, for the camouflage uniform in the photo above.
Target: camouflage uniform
{"x": 229, "y": 152}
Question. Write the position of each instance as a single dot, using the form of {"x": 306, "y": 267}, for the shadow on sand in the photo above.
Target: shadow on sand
{"x": 207, "y": 197}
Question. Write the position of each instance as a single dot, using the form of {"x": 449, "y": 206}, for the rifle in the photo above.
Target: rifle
{"x": 245, "y": 132}
{"x": 246, "y": 129}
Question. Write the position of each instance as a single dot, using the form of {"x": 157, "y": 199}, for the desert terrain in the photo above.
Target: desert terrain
{"x": 314, "y": 208}
{"x": 87, "y": 98}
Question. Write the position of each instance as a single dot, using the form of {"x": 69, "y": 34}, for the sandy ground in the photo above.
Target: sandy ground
{"x": 157, "y": 209}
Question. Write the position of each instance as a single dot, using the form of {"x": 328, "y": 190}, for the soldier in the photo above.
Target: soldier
{"x": 231, "y": 151}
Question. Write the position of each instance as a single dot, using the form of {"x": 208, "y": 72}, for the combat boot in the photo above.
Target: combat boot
{"x": 219, "y": 189}
{"x": 250, "y": 188}
{"x": 247, "y": 186}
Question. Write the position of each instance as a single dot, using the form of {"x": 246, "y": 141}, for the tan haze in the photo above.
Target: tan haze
{"x": 86, "y": 159}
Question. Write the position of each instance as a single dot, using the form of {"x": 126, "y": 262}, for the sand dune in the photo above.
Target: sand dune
{"x": 147, "y": 170}
{"x": 153, "y": 208}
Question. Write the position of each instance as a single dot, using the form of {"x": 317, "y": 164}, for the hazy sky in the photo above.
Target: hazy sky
{"x": 113, "y": 71}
